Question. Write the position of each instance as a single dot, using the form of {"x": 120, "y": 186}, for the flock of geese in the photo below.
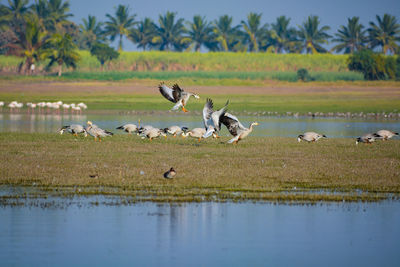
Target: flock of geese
{"x": 212, "y": 119}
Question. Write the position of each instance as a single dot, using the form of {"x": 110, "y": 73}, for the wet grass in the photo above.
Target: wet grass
{"x": 258, "y": 169}
{"x": 110, "y": 96}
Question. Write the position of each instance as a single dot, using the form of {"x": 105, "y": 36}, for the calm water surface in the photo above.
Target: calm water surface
{"x": 206, "y": 234}
{"x": 269, "y": 126}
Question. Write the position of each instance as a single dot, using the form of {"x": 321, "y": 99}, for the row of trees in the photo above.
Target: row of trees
{"x": 35, "y": 30}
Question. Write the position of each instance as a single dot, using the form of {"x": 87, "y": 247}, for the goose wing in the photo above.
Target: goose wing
{"x": 207, "y": 112}
{"x": 216, "y": 116}
{"x": 232, "y": 123}
{"x": 177, "y": 92}
{"x": 167, "y": 92}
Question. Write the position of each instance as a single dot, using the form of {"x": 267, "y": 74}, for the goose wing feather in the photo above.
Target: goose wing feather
{"x": 232, "y": 123}
{"x": 167, "y": 92}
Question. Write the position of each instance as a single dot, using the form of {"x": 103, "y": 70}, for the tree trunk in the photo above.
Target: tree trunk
{"x": 59, "y": 70}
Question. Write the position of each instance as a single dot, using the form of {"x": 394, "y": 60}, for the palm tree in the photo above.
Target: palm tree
{"x": 120, "y": 25}
{"x": 200, "y": 32}
{"x": 170, "y": 32}
{"x": 351, "y": 38}
{"x": 53, "y": 15}
{"x": 90, "y": 32}
{"x": 143, "y": 35}
{"x": 41, "y": 11}
{"x": 62, "y": 51}
{"x": 58, "y": 13}
{"x": 253, "y": 31}
{"x": 15, "y": 14}
{"x": 282, "y": 37}
{"x": 29, "y": 44}
{"x": 385, "y": 34}
{"x": 225, "y": 33}
{"x": 312, "y": 36}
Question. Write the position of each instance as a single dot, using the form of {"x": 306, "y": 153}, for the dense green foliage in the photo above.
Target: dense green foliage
{"x": 213, "y": 61}
{"x": 27, "y": 29}
{"x": 103, "y": 53}
{"x": 373, "y": 66}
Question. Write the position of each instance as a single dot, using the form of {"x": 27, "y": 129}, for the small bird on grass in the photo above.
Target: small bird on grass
{"x": 170, "y": 174}
{"x": 94, "y": 176}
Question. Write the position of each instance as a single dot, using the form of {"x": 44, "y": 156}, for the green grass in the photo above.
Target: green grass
{"x": 208, "y": 75}
{"x": 257, "y": 169}
{"x": 213, "y": 61}
{"x": 238, "y": 103}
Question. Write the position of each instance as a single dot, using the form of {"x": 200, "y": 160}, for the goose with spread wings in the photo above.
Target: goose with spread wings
{"x": 236, "y": 129}
{"x": 176, "y": 95}
{"x": 212, "y": 119}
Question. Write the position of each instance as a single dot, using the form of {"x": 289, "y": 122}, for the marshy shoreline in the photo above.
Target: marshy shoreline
{"x": 271, "y": 169}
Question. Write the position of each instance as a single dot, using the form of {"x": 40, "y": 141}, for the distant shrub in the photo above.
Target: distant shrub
{"x": 373, "y": 66}
{"x": 302, "y": 74}
{"x": 398, "y": 68}
{"x": 390, "y": 68}
{"x": 103, "y": 53}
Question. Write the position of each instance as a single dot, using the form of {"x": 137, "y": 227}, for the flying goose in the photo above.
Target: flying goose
{"x": 129, "y": 128}
{"x": 175, "y": 130}
{"x": 212, "y": 119}
{"x": 153, "y": 133}
{"x": 74, "y": 129}
{"x": 367, "y": 138}
{"x": 176, "y": 95}
{"x": 385, "y": 134}
{"x": 96, "y": 132}
{"x": 310, "y": 137}
{"x": 236, "y": 128}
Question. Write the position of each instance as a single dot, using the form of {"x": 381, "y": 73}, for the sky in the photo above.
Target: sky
{"x": 331, "y": 13}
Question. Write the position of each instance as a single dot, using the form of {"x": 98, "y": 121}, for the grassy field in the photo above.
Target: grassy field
{"x": 188, "y": 61}
{"x": 144, "y": 96}
{"x": 273, "y": 169}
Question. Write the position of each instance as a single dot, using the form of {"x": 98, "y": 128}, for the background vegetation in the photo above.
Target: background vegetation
{"x": 42, "y": 34}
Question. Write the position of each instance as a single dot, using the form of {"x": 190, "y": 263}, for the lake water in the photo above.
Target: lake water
{"x": 269, "y": 126}
{"x": 205, "y": 234}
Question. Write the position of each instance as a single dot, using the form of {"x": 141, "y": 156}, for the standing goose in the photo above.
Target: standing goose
{"x": 153, "y": 133}
{"x": 74, "y": 129}
{"x": 212, "y": 119}
{"x": 96, "y": 132}
{"x": 385, "y": 134}
{"x": 310, "y": 137}
{"x": 195, "y": 133}
{"x": 236, "y": 128}
{"x": 367, "y": 138}
{"x": 129, "y": 128}
{"x": 175, "y": 130}
{"x": 176, "y": 95}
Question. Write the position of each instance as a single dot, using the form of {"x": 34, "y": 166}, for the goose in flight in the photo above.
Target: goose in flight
{"x": 96, "y": 132}
{"x": 212, "y": 119}
{"x": 310, "y": 137}
{"x": 74, "y": 129}
{"x": 236, "y": 129}
{"x": 385, "y": 134}
{"x": 176, "y": 95}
